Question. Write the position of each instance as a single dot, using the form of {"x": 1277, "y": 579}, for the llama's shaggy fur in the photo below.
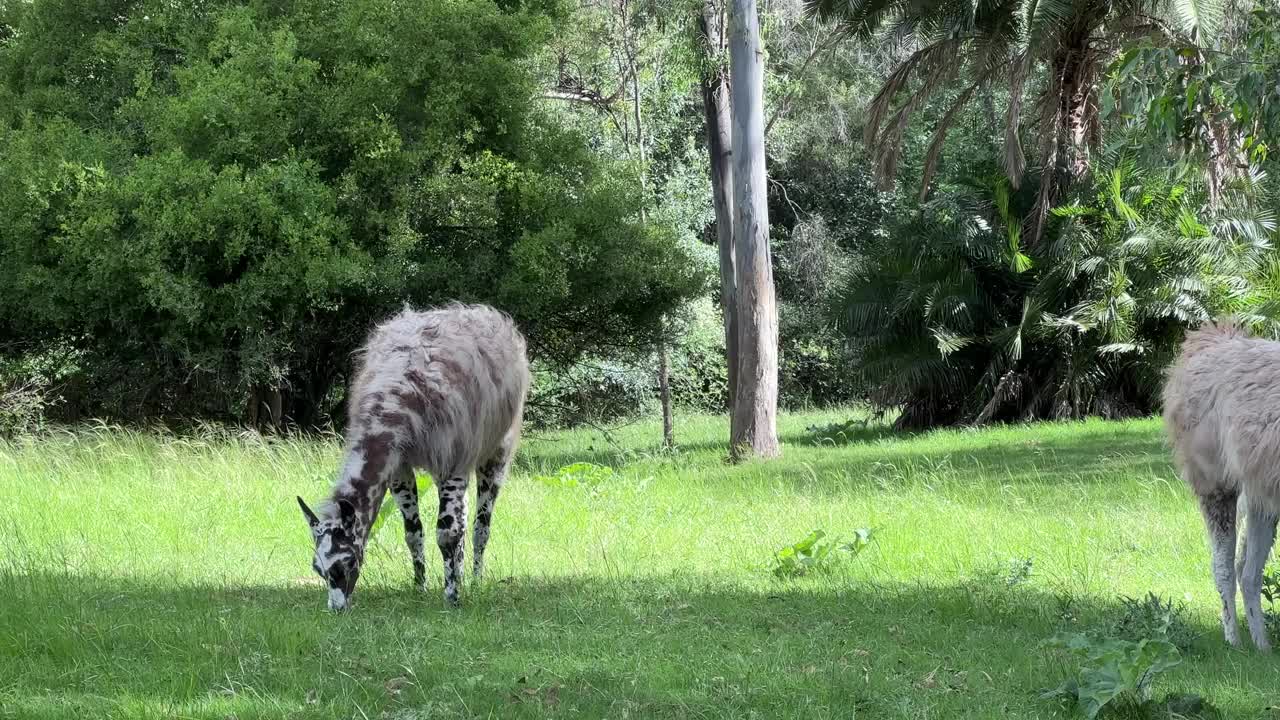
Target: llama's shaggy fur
{"x": 1222, "y": 412}
{"x": 443, "y": 391}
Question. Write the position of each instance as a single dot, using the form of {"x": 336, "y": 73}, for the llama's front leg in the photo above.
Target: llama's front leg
{"x": 1261, "y": 533}
{"x": 405, "y": 490}
{"x": 1219, "y": 510}
{"x": 489, "y": 481}
{"x": 451, "y": 528}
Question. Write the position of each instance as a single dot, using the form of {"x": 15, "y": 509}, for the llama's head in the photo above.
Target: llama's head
{"x": 338, "y": 550}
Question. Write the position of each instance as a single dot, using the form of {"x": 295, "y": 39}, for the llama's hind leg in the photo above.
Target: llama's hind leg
{"x": 451, "y": 528}
{"x": 1242, "y": 524}
{"x": 489, "y": 479}
{"x": 405, "y": 490}
{"x": 1261, "y": 534}
{"x": 1219, "y": 510}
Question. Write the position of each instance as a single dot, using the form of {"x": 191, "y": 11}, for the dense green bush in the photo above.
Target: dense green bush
{"x": 214, "y": 199}
{"x": 604, "y": 390}
{"x": 961, "y": 321}
{"x": 828, "y": 215}
{"x": 591, "y": 391}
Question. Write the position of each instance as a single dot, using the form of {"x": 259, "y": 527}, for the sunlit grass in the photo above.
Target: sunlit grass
{"x": 155, "y": 577}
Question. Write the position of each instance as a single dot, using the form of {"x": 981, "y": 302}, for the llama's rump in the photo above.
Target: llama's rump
{"x": 1222, "y": 411}
{"x": 448, "y": 383}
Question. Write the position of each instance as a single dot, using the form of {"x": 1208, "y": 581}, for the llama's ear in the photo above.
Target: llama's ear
{"x": 347, "y": 512}
{"x": 312, "y": 520}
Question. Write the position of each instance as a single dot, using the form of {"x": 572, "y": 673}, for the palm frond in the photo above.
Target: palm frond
{"x": 948, "y": 342}
{"x": 1124, "y": 348}
{"x": 940, "y": 136}
{"x": 1014, "y": 160}
{"x": 860, "y": 18}
{"x": 1044, "y": 15}
{"x": 933, "y": 64}
{"x": 1199, "y": 19}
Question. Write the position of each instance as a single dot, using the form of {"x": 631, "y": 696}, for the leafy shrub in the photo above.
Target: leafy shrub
{"x": 825, "y": 210}
{"x": 1271, "y": 592}
{"x": 817, "y": 369}
{"x": 960, "y": 319}
{"x": 22, "y": 406}
{"x": 208, "y": 199}
{"x": 815, "y": 553}
{"x": 34, "y": 386}
{"x": 1111, "y": 670}
{"x": 1153, "y": 617}
{"x": 602, "y": 390}
{"x": 699, "y": 370}
{"x": 592, "y": 391}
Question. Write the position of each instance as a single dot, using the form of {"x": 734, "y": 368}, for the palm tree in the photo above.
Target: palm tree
{"x": 971, "y": 45}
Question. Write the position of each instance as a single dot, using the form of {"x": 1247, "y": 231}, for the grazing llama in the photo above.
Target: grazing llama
{"x": 443, "y": 391}
{"x": 1222, "y": 412}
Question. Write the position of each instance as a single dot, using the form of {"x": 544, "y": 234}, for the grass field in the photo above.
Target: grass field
{"x": 152, "y": 577}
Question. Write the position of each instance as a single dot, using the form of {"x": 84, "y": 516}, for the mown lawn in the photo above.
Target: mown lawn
{"x": 153, "y": 577}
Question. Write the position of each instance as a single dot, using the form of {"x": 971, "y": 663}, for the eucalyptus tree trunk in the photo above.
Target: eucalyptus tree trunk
{"x": 715, "y": 104}
{"x": 753, "y": 429}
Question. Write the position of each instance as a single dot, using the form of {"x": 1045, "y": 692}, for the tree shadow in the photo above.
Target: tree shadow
{"x": 841, "y": 435}
{"x": 663, "y": 646}
{"x": 877, "y": 454}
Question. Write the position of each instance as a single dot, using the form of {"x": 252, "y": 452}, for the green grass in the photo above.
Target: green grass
{"x": 144, "y": 576}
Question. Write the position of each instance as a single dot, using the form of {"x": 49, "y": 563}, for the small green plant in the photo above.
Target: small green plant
{"x": 577, "y": 475}
{"x": 836, "y": 433}
{"x": 1155, "y": 617}
{"x": 1111, "y": 670}
{"x": 1271, "y": 592}
{"x": 816, "y": 553}
{"x": 1019, "y": 571}
{"x": 1016, "y": 571}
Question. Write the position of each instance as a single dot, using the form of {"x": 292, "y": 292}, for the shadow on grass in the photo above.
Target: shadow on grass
{"x": 537, "y": 459}
{"x": 1090, "y": 458}
{"x": 525, "y": 647}
{"x": 860, "y": 454}
{"x": 850, "y": 433}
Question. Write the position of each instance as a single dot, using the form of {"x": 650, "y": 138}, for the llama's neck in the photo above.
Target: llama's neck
{"x": 372, "y": 458}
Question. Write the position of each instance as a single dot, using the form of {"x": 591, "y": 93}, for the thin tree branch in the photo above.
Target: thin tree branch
{"x": 784, "y": 105}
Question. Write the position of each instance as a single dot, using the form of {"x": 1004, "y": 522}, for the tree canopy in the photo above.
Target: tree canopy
{"x": 977, "y": 211}
{"x": 205, "y": 198}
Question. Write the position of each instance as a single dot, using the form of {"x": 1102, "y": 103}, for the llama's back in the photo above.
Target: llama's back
{"x": 450, "y": 383}
{"x": 1222, "y": 410}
